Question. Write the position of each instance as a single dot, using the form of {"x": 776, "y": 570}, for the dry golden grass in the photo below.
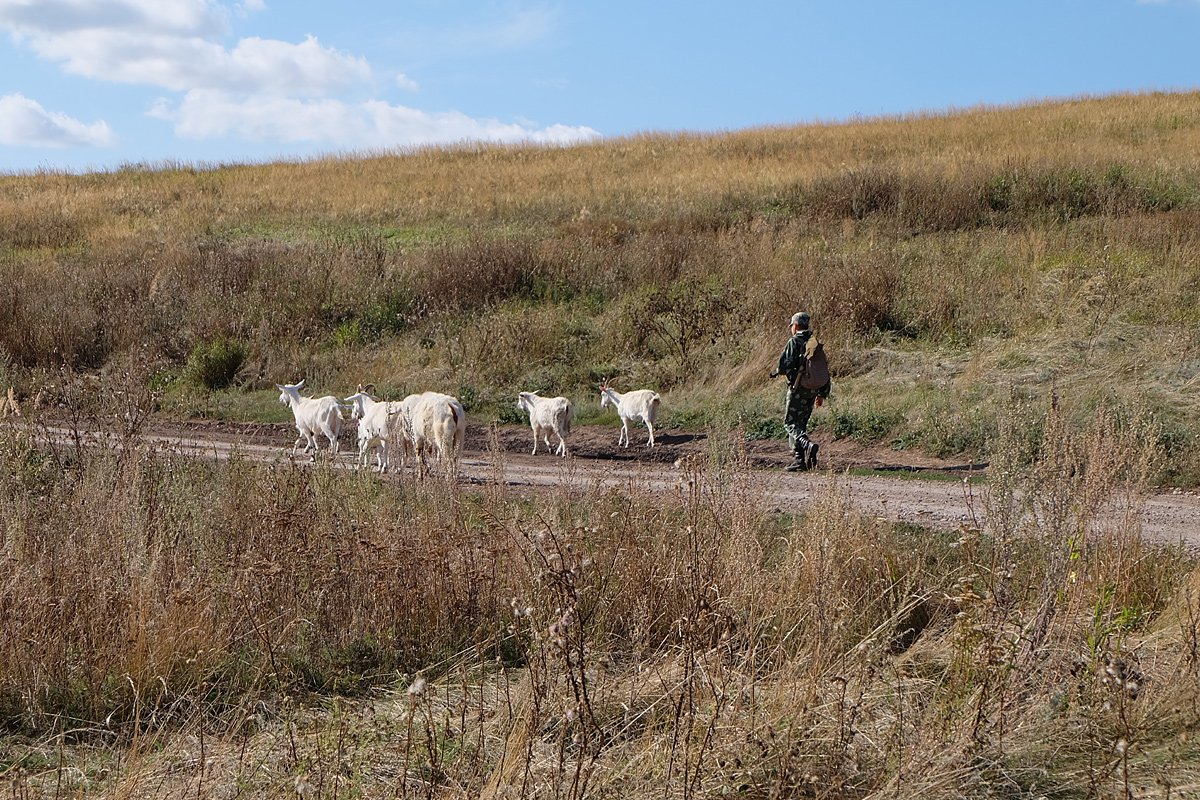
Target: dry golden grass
{"x": 177, "y": 628}
{"x": 673, "y": 174}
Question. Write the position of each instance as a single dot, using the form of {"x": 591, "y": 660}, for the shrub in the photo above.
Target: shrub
{"x": 952, "y": 426}
{"x": 25, "y": 226}
{"x": 467, "y": 277}
{"x": 867, "y": 424}
{"x": 765, "y": 428}
{"x": 215, "y": 364}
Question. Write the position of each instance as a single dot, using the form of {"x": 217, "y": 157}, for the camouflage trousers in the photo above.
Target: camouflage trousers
{"x": 795, "y": 418}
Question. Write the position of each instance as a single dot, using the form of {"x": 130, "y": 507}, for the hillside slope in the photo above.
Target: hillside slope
{"x": 966, "y": 269}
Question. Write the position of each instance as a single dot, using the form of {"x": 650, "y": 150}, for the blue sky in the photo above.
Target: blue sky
{"x": 95, "y": 84}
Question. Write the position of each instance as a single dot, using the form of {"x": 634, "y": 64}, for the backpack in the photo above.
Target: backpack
{"x": 816, "y": 368}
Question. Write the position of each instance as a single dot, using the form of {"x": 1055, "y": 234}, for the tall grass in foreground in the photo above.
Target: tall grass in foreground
{"x": 175, "y": 628}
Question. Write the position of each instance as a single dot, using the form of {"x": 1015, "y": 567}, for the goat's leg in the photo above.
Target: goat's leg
{"x": 450, "y": 463}
{"x": 562, "y": 446}
{"x": 310, "y": 443}
{"x": 299, "y": 439}
{"x": 535, "y": 437}
{"x": 624, "y": 438}
{"x": 650, "y": 427}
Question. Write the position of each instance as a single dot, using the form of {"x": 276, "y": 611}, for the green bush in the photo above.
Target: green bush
{"x": 213, "y": 365}
{"x": 765, "y": 428}
{"x": 866, "y": 424}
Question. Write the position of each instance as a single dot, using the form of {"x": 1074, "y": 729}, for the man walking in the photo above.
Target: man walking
{"x": 793, "y": 362}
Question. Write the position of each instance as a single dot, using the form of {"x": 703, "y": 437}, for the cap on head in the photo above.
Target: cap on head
{"x": 801, "y": 318}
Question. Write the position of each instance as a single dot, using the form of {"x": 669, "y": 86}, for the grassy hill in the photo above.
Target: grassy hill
{"x": 959, "y": 265}
{"x": 1019, "y": 283}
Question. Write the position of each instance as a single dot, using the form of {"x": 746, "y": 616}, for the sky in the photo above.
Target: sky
{"x": 95, "y": 85}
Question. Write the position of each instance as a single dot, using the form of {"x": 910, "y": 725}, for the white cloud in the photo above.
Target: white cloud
{"x": 50, "y": 18}
{"x": 158, "y": 55}
{"x": 207, "y": 114}
{"x": 374, "y": 124}
{"x": 306, "y": 69}
{"x": 399, "y": 126}
{"x": 257, "y": 89}
{"x": 25, "y": 123}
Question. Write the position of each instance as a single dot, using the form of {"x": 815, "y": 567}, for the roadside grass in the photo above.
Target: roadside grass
{"x": 245, "y": 406}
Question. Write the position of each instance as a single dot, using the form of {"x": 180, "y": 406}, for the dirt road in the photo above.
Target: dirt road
{"x": 503, "y": 454}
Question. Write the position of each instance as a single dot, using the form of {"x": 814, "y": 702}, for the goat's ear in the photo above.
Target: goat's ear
{"x": 359, "y": 389}
{"x": 300, "y": 385}
{"x": 279, "y": 387}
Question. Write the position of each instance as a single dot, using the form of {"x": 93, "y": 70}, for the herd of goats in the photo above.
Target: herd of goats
{"x": 434, "y": 424}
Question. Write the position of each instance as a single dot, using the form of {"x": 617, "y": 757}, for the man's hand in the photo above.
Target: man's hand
{"x": 774, "y": 374}
{"x": 817, "y": 403}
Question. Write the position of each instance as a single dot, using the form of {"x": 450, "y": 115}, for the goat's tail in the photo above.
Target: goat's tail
{"x": 459, "y": 433}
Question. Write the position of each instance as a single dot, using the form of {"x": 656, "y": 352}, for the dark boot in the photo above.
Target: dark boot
{"x": 799, "y": 463}
{"x": 811, "y": 454}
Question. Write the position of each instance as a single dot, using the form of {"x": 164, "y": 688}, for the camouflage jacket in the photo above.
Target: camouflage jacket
{"x": 791, "y": 361}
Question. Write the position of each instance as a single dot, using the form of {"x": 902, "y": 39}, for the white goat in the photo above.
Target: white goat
{"x": 639, "y": 404}
{"x": 547, "y": 415}
{"x": 375, "y": 427}
{"x": 433, "y": 422}
{"x": 313, "y": 415}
